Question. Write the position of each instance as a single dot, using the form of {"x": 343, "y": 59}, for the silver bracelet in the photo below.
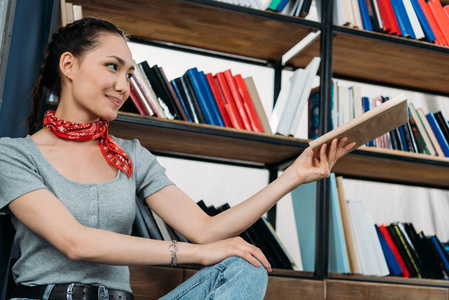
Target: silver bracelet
{"x": 173, "y": 249}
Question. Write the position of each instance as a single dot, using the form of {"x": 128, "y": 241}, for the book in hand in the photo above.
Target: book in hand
{"x": 370, "y": 125}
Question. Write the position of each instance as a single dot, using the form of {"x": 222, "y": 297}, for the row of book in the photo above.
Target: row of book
{"x": 417, "y": 19}
{"x": 358, "y": 245}
{"x": 261, "y": 234}
{"x": 223, "y": 99}
{"x": 426, "y": 133}
{"x": 290, "y": 113}
{"x": 297, "y": 8}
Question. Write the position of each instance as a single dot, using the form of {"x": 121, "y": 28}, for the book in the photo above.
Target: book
{"x": 169, "y": 90}
{"x": 440, "y": 18}
{"x": 393, "y": 264}
{"x": 138, "y": 93}
{"x": 314, "y": 113}
{"x": 394, "y": 249}
{"x": 423, "y": 21}
{"x": 182, "y": 100}
{"x": 304, "y": 208}
{"x": 252, "y": 90}
{"x": 418, "y": 133}
{"x": 438, "y": 133}
{"x": 338, "y": 253}
{"x": 430, "y": 132}
{"x": 439, "y": 39}
{"x": 414, "y": 21}
{"x": 136, "y": 103}
{"x": 367, "y": 25}
{"x": 366, "y": 127}
{"x": 237, "y": 100}
{"x": 147, "y": 90}
{"x": 443, "y": 124}
{"x": 354, "y": 260}
{"x": 221, "y": 104}
{"x": 248, "y": 103}
{"x": 211, "y": 100}
{"x": 191, "y": 98}
{"x": 230, "y": 105}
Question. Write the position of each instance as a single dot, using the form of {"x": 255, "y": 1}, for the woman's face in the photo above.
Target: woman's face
{"x": 100, "y": 80}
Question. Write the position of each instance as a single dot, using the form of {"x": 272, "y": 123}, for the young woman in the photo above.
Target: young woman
{"x": 71, "y": 189}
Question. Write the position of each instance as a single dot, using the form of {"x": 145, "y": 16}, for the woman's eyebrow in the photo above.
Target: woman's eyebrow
{"x": 121, "y": 61}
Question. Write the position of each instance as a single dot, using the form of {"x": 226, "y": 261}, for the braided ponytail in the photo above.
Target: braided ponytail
{"x": 77, "y": 38}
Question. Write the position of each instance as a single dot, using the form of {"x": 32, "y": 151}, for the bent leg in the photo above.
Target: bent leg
{"x": 233, "y": 278}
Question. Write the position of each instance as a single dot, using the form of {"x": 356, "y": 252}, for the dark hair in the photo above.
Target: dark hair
{"x": 77, "y": 38}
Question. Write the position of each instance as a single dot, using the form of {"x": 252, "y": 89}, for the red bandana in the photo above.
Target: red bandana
{"x": 91, "y": 131}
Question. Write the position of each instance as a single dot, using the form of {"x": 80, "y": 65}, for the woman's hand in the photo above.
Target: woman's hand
{"x": 308, "y": 167}
{"x": 217, "y": 251}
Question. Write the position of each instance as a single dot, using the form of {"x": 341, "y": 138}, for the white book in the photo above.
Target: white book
{"x": 382, "y": 266}
{"x": 343, "y": 104}
{"x": 356, "y": 14}
{"x": 296, "y": 8}
{"x": 358, "y": 238}
{"x": 347, "y": 9}
{"x": 417, "y": 29}
{"x": 357, "y": 95}
{"x": 77, "y": 12}
{"x": 281, "y": 102}
{"x": 297, "y": 83}
{"x": 339, "y": 12}
{"x": 379, "y": 19}
{"x": 301, "y": 113}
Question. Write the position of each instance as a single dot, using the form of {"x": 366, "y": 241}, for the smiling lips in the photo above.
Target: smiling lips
{"x": 115, "y": 100}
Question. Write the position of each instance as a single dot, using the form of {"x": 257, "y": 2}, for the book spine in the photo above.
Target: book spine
{"x": 237, "y": 100}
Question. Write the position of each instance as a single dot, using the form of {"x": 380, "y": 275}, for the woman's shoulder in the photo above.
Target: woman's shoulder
{"x": 8, "y": 143}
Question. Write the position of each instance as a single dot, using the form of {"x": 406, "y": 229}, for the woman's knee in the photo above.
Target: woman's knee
{"x": 246, "y": 271}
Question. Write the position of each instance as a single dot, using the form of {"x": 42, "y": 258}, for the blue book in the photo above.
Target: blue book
{"x": 438, "y": 133}
{"x": 282, "y": 5}
{"x": 442, "y": 256}
{"x": 201, "y": 95}
{"x": 423, "y": 21}
{"x": 338, "y": 253}
{"x": 401, "y": 15}
{"x": 367, "y": 25}
{"x": 212, "y": 102}
{"x": 304, "y": 200}
{"x": 403, "y": 139}
{"x": 181, "y": 99}
{"x": 392, "y": 262}
{"x": 366, "y": 107}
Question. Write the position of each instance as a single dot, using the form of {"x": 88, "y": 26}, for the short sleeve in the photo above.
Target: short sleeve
{"x": 150, "y": 175}
{"x": 18, "y": 172}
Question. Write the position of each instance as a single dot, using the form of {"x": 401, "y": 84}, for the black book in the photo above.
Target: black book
{"x": 149, "y": 221}
{"x": 305, "y": 8}
{"x": 190, "y": 93}
{"x": 443, "y": 124}
{"x": 169, "y": 107}
{"x": 372, "y": 12}
{"x": 171, "y": 93}
{"x": 187, "y": 100}
{"x": 411, "y": 144}
{"x": 397, "y": 135}
{"x": 416, "y": 242}
{"x": 139, "y": 228}
{"x": 439, "y": 254}
{"x": 128, "y": 106}
{"x": 403, "y": 249}
{"x": 429, "y": 258}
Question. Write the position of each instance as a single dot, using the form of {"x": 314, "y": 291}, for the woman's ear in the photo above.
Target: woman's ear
{"x": 67, "y": 64}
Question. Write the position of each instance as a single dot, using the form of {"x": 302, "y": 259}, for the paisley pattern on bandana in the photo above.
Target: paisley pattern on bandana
{"x": 112, "y": 152}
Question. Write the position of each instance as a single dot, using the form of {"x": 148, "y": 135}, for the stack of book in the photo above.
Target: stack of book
{"x": 417, "y": 19}
{"x": 425, "y": 132}
{"x": 223, "y": 99}
{"x": 261, "y": 234}
{"x": 297, "y": 8}
{"x": 357, "y": 245}
{"x": 290, "y": 114}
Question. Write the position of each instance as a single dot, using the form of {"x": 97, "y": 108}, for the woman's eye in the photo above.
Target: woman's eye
{"x": 112, "y": 66}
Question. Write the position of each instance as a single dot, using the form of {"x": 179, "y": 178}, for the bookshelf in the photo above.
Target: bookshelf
{"x": 261, "y": 36}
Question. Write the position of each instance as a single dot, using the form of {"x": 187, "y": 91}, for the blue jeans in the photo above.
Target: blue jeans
{"x": 233, "y": 278}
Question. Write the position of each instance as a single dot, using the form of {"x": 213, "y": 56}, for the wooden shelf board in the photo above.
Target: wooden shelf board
{"x": 395, "y": 166}
{"x": 391, "y": 280}
{"x": 205, "y": 24}
{"x": 387, "y": 60}
{"x": 205, "y": 141}
{"x": 260, "y": 149}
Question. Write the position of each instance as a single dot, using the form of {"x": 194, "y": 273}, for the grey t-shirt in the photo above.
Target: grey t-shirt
{"x": 108, "y": 205}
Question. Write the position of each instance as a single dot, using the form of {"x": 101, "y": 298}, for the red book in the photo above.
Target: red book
{"x": 136, "y": 102}
{"x": 446, "y": 9}
{"x": 230, "y": 106}
{"x": 391, "y": 16}
{"x": 439, "y": 36}
{"x": 218, "y": 99}
{"x": 440, "y": 17}
{"x": 384, "y": 16}
{"x": 237, "y": 99}
{"x": 394, "y": 249}
{"x": 248, "y": 103}
{"x": 134, "y": 87}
